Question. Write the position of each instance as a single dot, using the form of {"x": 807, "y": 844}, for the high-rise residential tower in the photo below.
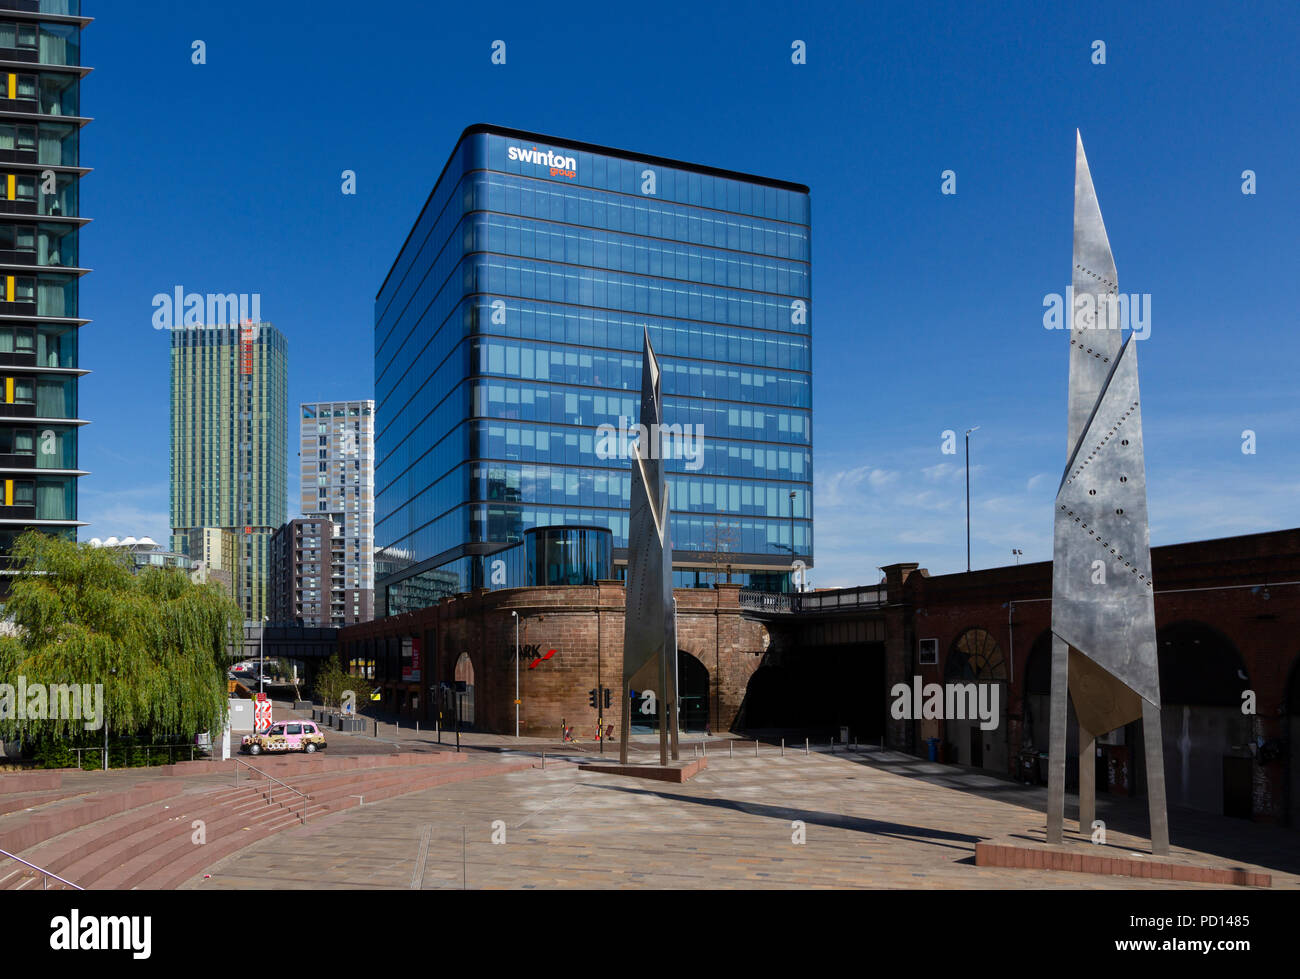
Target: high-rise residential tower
{"x": 508, "y": 338}
{"x": 40, "y": 267}
{"x": 337, "y": 481}
{"x": 229, "y": 422}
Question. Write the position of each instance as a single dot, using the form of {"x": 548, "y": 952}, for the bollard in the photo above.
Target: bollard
{"x": 704, "y": 748}
{"x": 417, "y": 727}
{"x": 783, "y": 747}
{"x": 756, "y": 747}
{"x": 805, "y": 746}
{"x": 376, "y": 729}
{"x": 832, "y": 746}
{"x": 731, "y": 749}
{"x": 543, "y": 760}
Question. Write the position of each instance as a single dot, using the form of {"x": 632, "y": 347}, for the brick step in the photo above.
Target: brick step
{"x": 126, "y": 861}
{"x": 226, "y": 830}
{"x": 137, "y": 859}
{"x": 23, "y": 831}
{"x": 20, "y": 801}
{"x": 284, "y": 766}
{"x": 46, "y": 778}
{"x": 329, "y": 785}
{"x": 59, "y": 853}
{"x": 15, "y": 877}
{"x": 182, "y": 869}
{"x": 115, "y": 849}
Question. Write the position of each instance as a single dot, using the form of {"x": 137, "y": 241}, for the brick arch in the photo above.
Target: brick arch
{"x": 1036, "y": 673}
{"x": 1199, "y": 664}
{"x": 1036, "y": 691}
{"x": 1291, "y": 742}
{"x": 976, "y": 655}
{"x": 695, "y": 690}
{"x": 465, "y": 672}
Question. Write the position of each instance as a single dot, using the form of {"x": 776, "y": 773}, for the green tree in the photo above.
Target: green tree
{"x": 155, "y": 641}
{"x": 332, "y": 680}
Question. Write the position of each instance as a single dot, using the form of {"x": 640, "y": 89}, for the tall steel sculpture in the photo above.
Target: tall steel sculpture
{"x": 649, "y": 628}
{"x": 1103, "y": 607}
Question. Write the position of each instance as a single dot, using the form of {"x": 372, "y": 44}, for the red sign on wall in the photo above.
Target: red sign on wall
{"x": 411, "y": 660}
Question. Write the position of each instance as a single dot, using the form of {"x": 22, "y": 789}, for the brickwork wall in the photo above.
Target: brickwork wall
{"x": 584, "y": 627}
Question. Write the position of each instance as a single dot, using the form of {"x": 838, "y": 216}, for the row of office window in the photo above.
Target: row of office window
{"x": 626, "y": 176}
{"x": 646, "y": 216}
{"x": 622, "y": 370}
{"x": 522, "y": 238}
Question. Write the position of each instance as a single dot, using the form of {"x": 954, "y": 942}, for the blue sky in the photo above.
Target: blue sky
{"x": 927, "y": 309}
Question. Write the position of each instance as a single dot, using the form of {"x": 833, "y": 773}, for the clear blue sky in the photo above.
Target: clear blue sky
{"x": 927, "y": 309}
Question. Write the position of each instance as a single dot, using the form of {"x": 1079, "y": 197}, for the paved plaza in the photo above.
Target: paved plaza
{"x": 872, "y": 819}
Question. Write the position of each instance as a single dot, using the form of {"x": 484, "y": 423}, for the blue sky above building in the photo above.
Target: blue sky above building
{"x": 927, "y": 308}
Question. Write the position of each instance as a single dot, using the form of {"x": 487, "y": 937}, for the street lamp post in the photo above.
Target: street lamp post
{"x": 516, "y": 615}
{"x": 261, "y": 654}
{"x": 968, "y": 431}
{"x": 792, "y": 550}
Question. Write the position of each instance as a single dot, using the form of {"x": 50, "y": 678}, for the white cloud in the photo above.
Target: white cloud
{"x": 136, "y": 511}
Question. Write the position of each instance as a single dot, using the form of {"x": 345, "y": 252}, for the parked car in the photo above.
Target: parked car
{"x": 286, "y": 736}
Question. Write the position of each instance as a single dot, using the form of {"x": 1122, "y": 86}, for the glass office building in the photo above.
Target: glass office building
{"x": 229, "y": 447}
{"x": 509, "y": 331}
{"x": 41, "y": 120}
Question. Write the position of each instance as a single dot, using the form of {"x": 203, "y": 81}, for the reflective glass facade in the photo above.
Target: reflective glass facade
{"x": 40, "y": 268}
{"x": 509, "y": 331}
{"x": 229, "y": 446}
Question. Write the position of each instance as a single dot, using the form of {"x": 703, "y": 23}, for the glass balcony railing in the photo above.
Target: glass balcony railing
{"x": 66, "y": 8}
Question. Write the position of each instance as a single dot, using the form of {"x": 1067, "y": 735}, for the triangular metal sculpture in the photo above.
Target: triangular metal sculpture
{"x": 649, "y": 628}
{"x": 1103, "y": 605}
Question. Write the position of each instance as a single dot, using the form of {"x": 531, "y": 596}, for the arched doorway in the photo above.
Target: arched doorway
{"x": 1292, "y": 734}
{"x": 693, "y": 696}
{"x": 976, "y": 657}
{"x": 768, "y": 702}
{"x": 464, "y": 690}
{"x": 1208, "y": 765}
{"x": 1036, "y": 728}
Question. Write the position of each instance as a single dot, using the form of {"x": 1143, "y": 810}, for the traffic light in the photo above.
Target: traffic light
{"x": 609, "y": 699}
{"x": 591, "y": 696}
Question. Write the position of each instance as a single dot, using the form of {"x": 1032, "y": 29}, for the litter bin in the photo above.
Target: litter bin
{"x": 932, "y": 748}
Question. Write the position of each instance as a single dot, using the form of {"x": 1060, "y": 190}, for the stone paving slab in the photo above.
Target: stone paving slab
{"x": 864, "y": 826}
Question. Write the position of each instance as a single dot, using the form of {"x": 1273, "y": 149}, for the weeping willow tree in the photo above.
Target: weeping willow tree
{"x": 155, "y": 641}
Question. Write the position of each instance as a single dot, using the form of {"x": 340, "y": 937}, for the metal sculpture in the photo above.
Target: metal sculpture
{"x": 1103, "y": 606}
{"x": 649, "y": 628}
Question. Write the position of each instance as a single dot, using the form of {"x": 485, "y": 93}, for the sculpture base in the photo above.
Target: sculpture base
{"x": 678, "y": 771}
{"x": 1083, "y": 857}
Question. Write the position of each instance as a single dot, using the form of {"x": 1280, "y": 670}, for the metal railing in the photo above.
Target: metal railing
{"x": 45, "y": 879}
{"x": 768, "y": 601}
{"x": 871, "y": 596}
{"x": 129, "y": 750}
{"x": 269, "y": 793}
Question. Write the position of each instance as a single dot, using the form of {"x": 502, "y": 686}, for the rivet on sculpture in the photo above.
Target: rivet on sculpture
{"x": 649, "y": 629}
{"x": 1103, "y": 605}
